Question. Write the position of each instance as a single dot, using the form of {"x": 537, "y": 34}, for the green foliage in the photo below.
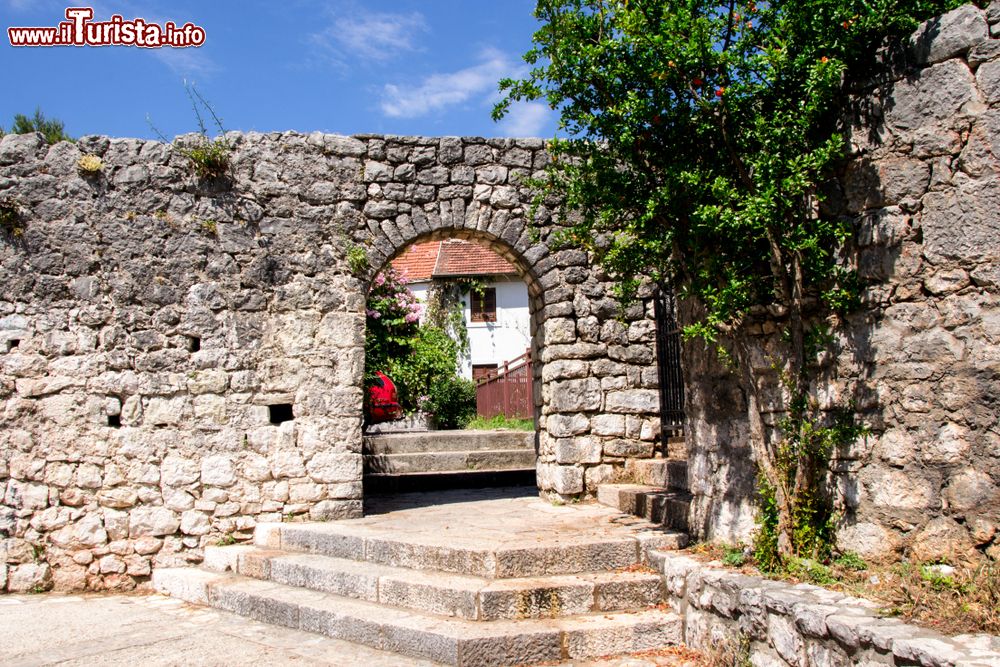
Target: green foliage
{"x": 851, "y": 561}
{"x": 11, "y": 222}
{"x": 422, "y": 360}
{"x": 357, "y": 259}
{"x": 226, "y": 540}
{"x": 430, "y": 359}
{"x": 500, "y": 423}
{"x": 446, "y": 309}
{"x": 941, "y": 580}
{"x": 700, "y": 134}
{"x": 452, "y": 401}
{"x": 801, "y": 461}
{"x": 53, "y": 130}
{"x": 734, "y": 556}
{"x": 209, "y": 157}
{"x": 810, "y": 570}
{"x": 209, "y": 227}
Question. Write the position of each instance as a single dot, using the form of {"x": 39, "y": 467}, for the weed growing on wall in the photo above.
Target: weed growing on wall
{"x": 11, "y": 222}
{"x": 209, "y": 157}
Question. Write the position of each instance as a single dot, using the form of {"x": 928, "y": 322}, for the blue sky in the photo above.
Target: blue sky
{"x": 345, "y": 66}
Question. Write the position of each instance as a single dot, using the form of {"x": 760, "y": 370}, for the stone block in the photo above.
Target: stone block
{"x": 218, "y": 470}
{"x": 577, "y": 450}
{"x": 633, "y": 401}
{"x": 949, "y": 35}
{"x": 153, "y": 521}
{"x": 564, "y": 426}
{"x": 329, "y": 467}
{"x": 575, "y": 395}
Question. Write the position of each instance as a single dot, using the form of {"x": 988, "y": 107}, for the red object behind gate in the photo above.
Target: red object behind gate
{"x": 383, "y": 400}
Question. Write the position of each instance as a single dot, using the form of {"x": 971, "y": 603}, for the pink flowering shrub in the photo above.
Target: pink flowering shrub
{"x": 422, "y": 360}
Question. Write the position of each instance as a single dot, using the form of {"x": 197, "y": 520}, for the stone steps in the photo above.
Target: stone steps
{"x": 378, "y": 484}
{"x": 443, "y": 441}
{"x": 450, "y": 461}
{"x": 661, "y": 506}
{"x": 470, "y": 593}
{"x": 468, "y": 556}
{"x": 461, "y": 596}
{"x": 670, "y": 474}
{"x": 448, "y": 640}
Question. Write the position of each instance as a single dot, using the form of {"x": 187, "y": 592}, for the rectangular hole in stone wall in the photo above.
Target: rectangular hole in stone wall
{"x": 194, "y": 343}
{"x": 115, "y": 421}
{"x": 280, "y": 412}
{"x": 12, "y": 343}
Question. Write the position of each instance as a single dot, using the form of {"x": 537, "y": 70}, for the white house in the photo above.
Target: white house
{"x": 497, "y": 320}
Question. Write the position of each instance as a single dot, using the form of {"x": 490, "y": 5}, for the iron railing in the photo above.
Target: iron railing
{"x": 509, "y": 392}
{"x": 668, "y": 362}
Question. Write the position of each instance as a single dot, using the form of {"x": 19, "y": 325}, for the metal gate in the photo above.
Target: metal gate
{"x": 668, "y": 362}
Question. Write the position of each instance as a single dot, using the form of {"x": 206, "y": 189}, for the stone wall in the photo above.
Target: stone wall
{"x": 155, "y": 328}
{"x": 921, "y": 360}
{"x": 762, "y": 622}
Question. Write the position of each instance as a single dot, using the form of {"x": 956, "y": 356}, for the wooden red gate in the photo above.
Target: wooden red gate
{"x": 509, "y": 391}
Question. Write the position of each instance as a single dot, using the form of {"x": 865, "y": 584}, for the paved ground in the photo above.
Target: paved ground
{"x": 152, "y": 630}
{"x": 507, "y": 517}
{"x": 156, "y": 631}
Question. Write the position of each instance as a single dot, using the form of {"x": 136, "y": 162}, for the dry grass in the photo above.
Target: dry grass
{"x": 965, "y": 600}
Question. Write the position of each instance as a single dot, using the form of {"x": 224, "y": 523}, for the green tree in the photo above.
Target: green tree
{"x": 699, "y": 135}
{"x": 53, "y": 130}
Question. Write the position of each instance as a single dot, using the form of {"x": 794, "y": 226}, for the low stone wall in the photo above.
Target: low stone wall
{"x": 780, "y": 624}
{"x": 920, "y": 359}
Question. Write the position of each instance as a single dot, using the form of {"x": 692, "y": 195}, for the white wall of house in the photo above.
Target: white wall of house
{"x": 507, "y": 338}
{"x": 493, "y": 342}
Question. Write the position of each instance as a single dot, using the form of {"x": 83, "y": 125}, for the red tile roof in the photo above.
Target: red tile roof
{"x": 417, "y": 262}
{"x": 461, "y": 258}
{"x": 450, "y": 258}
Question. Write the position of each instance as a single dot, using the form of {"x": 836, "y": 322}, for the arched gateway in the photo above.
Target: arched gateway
{"x": 183, "y": 358}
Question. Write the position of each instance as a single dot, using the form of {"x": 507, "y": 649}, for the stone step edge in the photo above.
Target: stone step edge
{"x": 472, "y": 471}
{"x": 407, "y": 447}
{"x": 451, "y": 595}
{"x": 611, "y": 495}
{"x": 343, "y": 540}
{"x": 429, "y": 462}
{"x": 451, "y": 641}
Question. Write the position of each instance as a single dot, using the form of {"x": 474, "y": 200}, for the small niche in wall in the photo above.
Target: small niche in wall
{"x": 115, "y": 421}
{"x": 12, "y": 343}
{"x": 194, "y": 343}
{"x": 280, "y": 412}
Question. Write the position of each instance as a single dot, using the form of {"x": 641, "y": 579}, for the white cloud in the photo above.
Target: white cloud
{"x": 187, "y": 62}
{"x": 526, "y": 119}
{"x": 439, "y": 91}
{"x": 369, "y": 36}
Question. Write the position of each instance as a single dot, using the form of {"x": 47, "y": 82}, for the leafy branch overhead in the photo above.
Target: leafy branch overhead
{"x": 699, "y": 135}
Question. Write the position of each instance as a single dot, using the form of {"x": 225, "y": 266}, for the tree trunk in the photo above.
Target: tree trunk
{"x": 764, "y": 454}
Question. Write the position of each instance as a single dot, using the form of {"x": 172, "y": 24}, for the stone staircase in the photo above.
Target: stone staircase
{"x": 659, "y": 493}
{"x": 448, "y": 459}
{"x": 516, "y": 583}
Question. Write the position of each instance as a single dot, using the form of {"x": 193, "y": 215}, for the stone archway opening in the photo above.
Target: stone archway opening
{"x": 469, "y": 295}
